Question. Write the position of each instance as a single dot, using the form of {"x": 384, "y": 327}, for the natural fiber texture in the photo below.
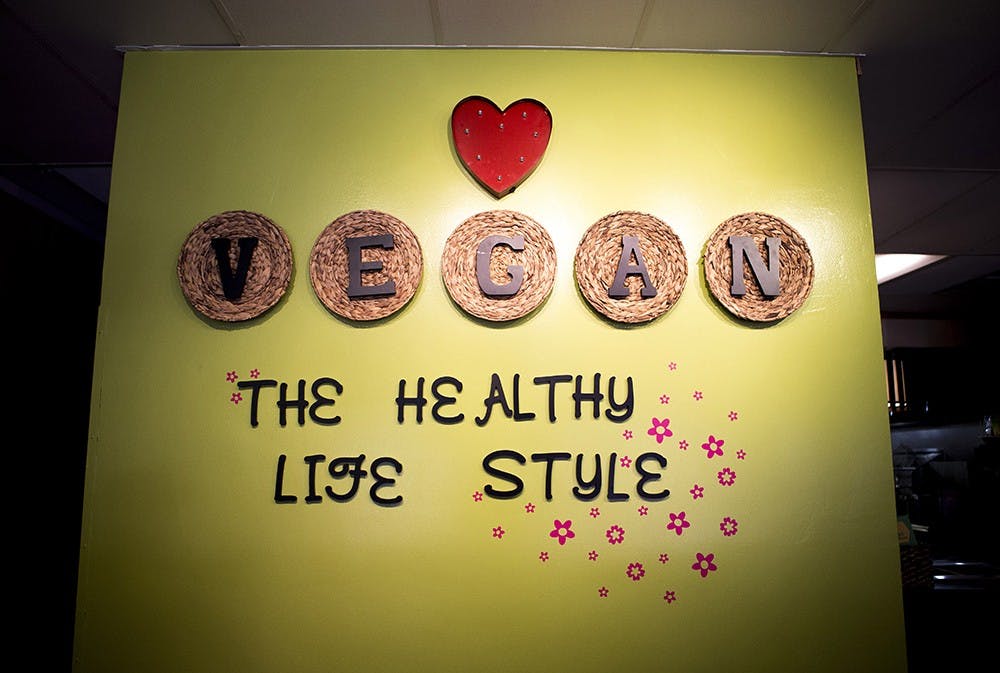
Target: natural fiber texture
{"x": 538, "y": 259}
{"x": 268, "y": 277}
{"x": 600, "y": 252}
{"x": 795, "y": 268}
{"x": 402, "y": 264}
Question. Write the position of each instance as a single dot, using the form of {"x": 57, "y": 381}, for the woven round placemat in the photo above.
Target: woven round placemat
{"x": 795, "y": 268}
{"x": 268, "y": 276}
{"x": 598, "y": 256}
{"x": 537, "y": 259}
{"x": 402, "y": 264}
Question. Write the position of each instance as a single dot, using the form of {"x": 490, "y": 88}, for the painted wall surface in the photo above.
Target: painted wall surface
{"x": 779, "y": 554}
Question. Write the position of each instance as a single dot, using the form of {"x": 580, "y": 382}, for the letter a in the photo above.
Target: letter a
{"x": 630, "y": 246}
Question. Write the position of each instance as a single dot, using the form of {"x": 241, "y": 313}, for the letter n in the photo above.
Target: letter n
{"x": 767, "y": 277}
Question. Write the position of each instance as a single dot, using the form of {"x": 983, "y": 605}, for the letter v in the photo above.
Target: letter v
{"x": 233, "y": 284}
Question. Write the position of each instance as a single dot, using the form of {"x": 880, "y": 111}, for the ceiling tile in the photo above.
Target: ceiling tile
{"x": 924, "y": 72}
{"x": 964, "y": 134}
{"x": 50, "y": 113}
{"x": 968, "y": 224}
{"x": 86, "y": 34}
{"x": 346, "y": 22}
{"x": 944, "y": 275}
{"x": 594, "y": 23}
{"x": 762, "y": 25}
{"x": 900, "y": 198}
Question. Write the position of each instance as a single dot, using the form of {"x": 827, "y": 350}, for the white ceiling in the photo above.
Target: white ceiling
{"x": 929, "y": 86}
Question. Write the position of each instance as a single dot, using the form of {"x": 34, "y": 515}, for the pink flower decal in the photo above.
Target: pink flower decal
{"x": 627, "y": 434}
{"x": 477, "y": 496}
{"x": 615, "y": 534}
{"x": 643, "y": 510}
{"x": 498, "y": 532}
{"x": 741, "y": 455}
{"x": 726, "y": 477}
{"x": 683, "y": 445}
{"x": 672, "y": 366}
{"x": 529, "y": 508}
{"x": 544, "y": 556}
{"x": 697, "y": 492}
{"x": 670, "y": 597}
{"x": 733, "y": 415}
{"x": 697, "y": 395}
{"x": 592, "y": 555}
{"x": 255, "y": 373}
{"x": 595, "y": 512}
{"x": 705, "y": 564}
{"x": 678, "y": 523}
{"x": 603, "y": 592}
{"x": 713, "y": 446}
{"x": 728, "y": 526}
{"x": 664, "y": 558}
{"x": 231, "y": 376}
{"x": 635, "y": 571}
{"x": 625, "y": 461}
{"x": 562, "y": 531}
{"x": 659, "y": 430}
{"x": 236, "y": 398}
{"x": 664, "y": 399}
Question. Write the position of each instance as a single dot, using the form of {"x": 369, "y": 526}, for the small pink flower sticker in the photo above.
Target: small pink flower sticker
{"x": 697, "y": 395}
{"x": 697, "y": 492}
{"x": 625, "y": 461}
{"x": 231, "y": 376}
{"x": 660, "y": 430}
{"x": 615, "y": 534}
{"x": 672, "y": 366}
{"x": 741, "y": 455}
{"x": 664, "y": 558}
{"x": 728, "y": 526}
{"x": 704, "y": 564}
{"x": 678, "y": 523}
{"x": 498, "y": 532}
{"x": 595, "y": 512}
{"x": 603, "y": 592}
{"x": 643, "y": 510}
{"x": 592, "y": 555}
{"x": 477, "y": 496}
{"x": 255, "y": 373}
{"x": 733, "y": 415}
{"x": 726, "y": 477}
{"x": 236, "y": 398}
{"x": 713, "y": 446}
{"x": 635, "y": 571}
{"x": 664, "y": 399}
{"x": 670, "y": 597}
{"x": 544, "y": 556}
{"x": 627, "y": 434}
{"x": 562, "y": 531}
{"x": 683, "y": 445}
{"x": 529, "y": 508}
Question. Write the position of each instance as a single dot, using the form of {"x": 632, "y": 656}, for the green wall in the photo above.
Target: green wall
{"x": 189, "y": 564}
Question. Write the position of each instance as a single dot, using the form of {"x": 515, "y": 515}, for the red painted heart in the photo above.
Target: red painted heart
{"x": 498, "y": 147}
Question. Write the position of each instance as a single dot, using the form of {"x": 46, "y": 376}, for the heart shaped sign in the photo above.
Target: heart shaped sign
{"x": 498, "y": 147}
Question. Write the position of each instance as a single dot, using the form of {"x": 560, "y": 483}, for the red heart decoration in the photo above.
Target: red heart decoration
{"x": 498, "y": 147}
